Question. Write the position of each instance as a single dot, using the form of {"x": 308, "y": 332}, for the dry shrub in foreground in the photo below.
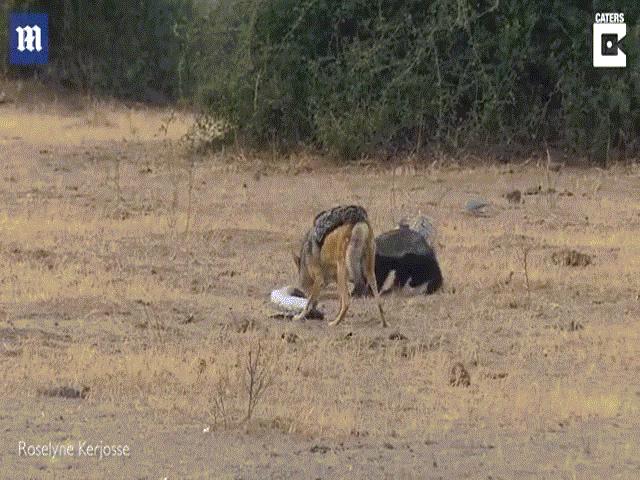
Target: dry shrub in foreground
{"x": 258, "y": 378}
{"x": 571, "y": 258}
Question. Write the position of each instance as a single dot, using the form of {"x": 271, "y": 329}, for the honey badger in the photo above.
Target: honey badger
{"x": 405, "y": 259}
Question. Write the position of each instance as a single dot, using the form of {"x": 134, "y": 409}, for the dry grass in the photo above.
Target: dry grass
{"x": 153, "y": 320}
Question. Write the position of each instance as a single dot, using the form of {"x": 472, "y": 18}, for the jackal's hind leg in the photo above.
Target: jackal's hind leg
{"x": 370, "y": 275}
{"x": 343, "y": 291}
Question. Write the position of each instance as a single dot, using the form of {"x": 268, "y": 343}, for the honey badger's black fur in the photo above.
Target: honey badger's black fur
{"x": 407, "y": 253}
{"x": 417, "y": 270}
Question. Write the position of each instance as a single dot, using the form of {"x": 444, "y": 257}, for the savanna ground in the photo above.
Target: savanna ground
{"x": 135, "y": 278}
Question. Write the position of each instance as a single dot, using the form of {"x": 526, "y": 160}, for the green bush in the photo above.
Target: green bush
{"x": 356, "y": 77}
{"x": 123, "y": 48}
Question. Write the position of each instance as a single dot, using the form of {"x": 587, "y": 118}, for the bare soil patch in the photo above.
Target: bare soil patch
{"x": 135, "y": 281}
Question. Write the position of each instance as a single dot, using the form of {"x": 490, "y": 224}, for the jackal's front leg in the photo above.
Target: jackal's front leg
{"x": 312, "y": 301}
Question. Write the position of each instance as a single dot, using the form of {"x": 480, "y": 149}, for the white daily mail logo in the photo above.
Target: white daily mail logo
{"x": 29, "y": 38}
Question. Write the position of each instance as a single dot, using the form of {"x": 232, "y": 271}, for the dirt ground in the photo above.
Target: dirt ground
{"x": 134, "y": 311}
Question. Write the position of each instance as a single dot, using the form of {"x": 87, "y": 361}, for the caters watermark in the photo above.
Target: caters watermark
{"x": 608, "y": 31}
{"x": 81, "y": 448}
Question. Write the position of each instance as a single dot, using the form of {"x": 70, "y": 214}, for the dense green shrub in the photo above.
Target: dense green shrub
{"x": 125, "y": 48}
{"x": 354, "y": 77}
{"x": 357, "y": 76}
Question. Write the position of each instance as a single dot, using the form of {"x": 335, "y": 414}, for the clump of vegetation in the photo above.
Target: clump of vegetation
{"x": 116, "y": 47}
{"x": 571, "y": 258}
{"x": 355, "y": 78}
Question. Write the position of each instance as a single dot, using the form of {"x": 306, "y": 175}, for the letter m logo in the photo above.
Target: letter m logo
{"x": 28, "y": 38}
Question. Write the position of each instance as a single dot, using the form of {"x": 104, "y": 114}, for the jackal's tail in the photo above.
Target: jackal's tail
{"x": 361, "y": 239}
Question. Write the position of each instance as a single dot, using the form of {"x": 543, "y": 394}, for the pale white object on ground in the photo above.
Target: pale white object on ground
{"x": 284, "y": 299}
{"x": 478, "y": 207}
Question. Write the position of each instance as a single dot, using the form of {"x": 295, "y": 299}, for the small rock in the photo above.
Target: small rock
{"x": 397, "y": 336}
{"x": 515, "y": 196}
{"x": 290, "y": 337}
{"x": 479, "y": 208}
{"x": 459, "y": 377}
{"x": 533, "y": 190}
{"x": 319, "y": 449}
{"x": 65, "y": 392}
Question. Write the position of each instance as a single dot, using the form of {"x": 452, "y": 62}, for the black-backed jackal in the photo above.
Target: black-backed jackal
{"x": 340, "y": 246}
